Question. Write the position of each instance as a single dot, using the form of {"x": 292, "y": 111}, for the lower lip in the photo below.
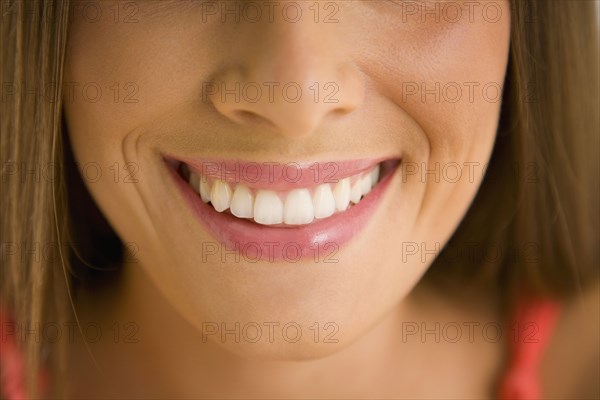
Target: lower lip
{"x": 319, "y": 240}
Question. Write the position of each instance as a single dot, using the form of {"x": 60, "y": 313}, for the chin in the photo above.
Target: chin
{"x": 306, "y": 348}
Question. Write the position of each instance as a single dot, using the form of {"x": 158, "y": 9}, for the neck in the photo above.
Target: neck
{"x": 159, "y": 353}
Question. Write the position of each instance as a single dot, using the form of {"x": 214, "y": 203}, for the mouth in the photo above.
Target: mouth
{"x": 264, "y": 209}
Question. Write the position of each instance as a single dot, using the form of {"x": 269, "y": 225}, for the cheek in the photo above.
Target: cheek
{"x": 119, "y": 83}
{"x": 447, "y": 78}
{"x": 126, "y": 76}
{"x": 113, "y": 90}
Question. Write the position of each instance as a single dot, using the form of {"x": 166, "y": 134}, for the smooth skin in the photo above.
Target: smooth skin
{"x": 381, "y": 57}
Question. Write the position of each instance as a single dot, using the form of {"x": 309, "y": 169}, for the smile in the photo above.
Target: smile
{"x": 299, "y": 206}
{"x": 273, "y": 206}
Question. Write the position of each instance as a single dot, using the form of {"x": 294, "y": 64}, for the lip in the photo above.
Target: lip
{"x": 319, "y": 240}
{"x": 274, "y": 175}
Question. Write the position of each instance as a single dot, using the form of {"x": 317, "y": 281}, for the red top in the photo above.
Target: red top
{"x": 11, "y": 360}
{"x": 532, "y": 324}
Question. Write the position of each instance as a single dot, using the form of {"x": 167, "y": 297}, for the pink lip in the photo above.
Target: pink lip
{"x": 319, "y": 241}
{"x": 278, "y": 176}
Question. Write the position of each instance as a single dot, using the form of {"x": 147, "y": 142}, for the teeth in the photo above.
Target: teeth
{"x": 375, "y": 175}
{"x": 204, "y": 190}
{"x": 194, "y": 181}
{"x": 268, "y": 208}
{"x": 341, "y": 193}
{"x": 242, "y": 203}
{"x": 365, "y": 184}
{"x": 323, "y": 201}
{"x": 220, "y": 196}
{"x": 356, "y": 191}
{"x": 300, "y": 206}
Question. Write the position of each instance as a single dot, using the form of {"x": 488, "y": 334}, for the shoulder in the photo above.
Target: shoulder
{"x": 571, "y": 365}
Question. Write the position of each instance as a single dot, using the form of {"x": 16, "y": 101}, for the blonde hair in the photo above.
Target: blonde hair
{"x": 33, "y": 209}
{"x": 538, "y": 204}
{"x": 549, "y": 121}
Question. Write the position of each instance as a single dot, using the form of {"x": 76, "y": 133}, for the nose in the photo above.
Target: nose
{"x": 288, "y": 77}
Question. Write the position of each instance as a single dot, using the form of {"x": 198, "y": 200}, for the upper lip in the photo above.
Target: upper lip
{"x": 279, "y": 176}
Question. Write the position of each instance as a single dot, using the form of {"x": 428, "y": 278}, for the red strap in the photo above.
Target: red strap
{"x": 12, "y": 363}
{"x": 12, "y": 366}
{"x": 533, "y": 324}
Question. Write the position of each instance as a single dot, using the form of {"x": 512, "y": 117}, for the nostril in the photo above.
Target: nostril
{"x": 246, "y": 115}
{"x": 341, "y": 111}
{"x": 250, "y": 118}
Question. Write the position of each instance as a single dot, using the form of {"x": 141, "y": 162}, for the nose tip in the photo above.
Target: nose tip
{"x": 292, "y": 108}
{"x": 288, "y": 77}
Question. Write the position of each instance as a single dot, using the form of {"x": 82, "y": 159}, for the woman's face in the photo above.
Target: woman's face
{"x": 299, "y": 102}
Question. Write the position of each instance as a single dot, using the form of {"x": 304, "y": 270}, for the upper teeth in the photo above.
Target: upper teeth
{"x": 293, "y": 207}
